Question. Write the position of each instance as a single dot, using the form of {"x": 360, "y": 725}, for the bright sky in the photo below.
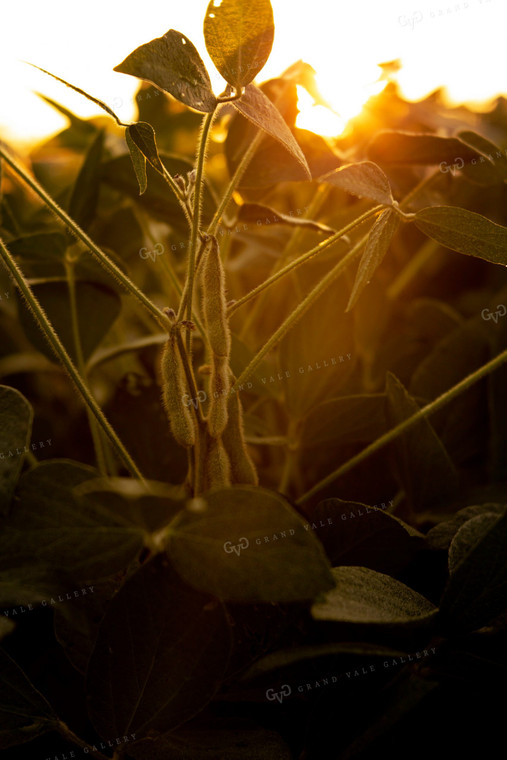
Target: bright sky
{"x": 460, "y": 44}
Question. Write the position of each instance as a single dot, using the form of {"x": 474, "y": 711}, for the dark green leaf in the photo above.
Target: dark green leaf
{"x": 379, "y": 240}
{"x": 237, "y": 740}
{"x": 160, "y": 655}
{"x": 255, "y": 213}
{"x": 239, "y": 37}
{"x": 255, "y": 106}
{"x": 16, "y": 417}
{"x": 364, "y": 179}
{"x": 40, "y": 254}
{"x": 350, "y": 419}
{"x": 467, "y": 536}
{"x": 464, "y": 231}
{"x": 477, "y": 589}
{"x": 51, "y": 527}
{"x": 246, "y": 544}
{"x": 424, "y": 467}
{"x": 172, "y": 63}
{"x": 85, "y": 191}
{"x": 138, "y": 162}
{"x": 24, "y": 713}
{"x": 365, "y": 596}
{"x": 143, "y": 135}
{"x": 440, "y": 537}
{"x": 97, "y": 306}
{"x": 413, "y": 149}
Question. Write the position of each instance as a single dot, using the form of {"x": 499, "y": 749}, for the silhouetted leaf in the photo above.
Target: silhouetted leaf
{"x": 255, "y": 106}
{"x": 172, "y": 63}
{"x": 24, "y": 713}
{"x": 85, "y": 191}
{"x": 413, "y": 149}
{"x": 289, "y": 566}
{"x": 258, "y": 214}
{"x": 160, "y": 655}
{"x": 351, "y": 419}
{"x": 239, "y": 37}
{"x": 425, "y": 469}
{"x": 379, "y": 240}
{"x": 364, "y": 179}
{"x": 16, "y": 417}
{"x": 365, "y": 596}
{"x": 494, "y": 169}
{"x": 464, "y": 231}
{"x": 138, "y": 162}
{"x": 477, "y": 589}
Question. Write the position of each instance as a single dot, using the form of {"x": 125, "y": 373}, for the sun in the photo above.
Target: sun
{"x": 339, "y": 99}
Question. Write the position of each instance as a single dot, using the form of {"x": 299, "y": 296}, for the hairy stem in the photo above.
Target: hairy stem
{"x": 391, "y": 435}
{"x": 104, "y": 260}
{"x": 58, "y": 348}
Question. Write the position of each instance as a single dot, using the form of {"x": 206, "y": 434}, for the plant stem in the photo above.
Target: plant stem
{"x": 298, "y": 312}
{"x": 236, "y": 177}
{"x": 305, "y": 257}
{"x": 68, "y": 734}
{"x": 189, "y": 374}
{"x": 391, "y": 435}
{"x": 58, "y": 348}
{"x": 178, "y": 193}
{"x": 104, "y": 260}
{"x": 92, "y": 422}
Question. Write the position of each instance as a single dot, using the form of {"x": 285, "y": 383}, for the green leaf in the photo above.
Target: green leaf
{"x": 228, "y": 740}
{"x": 255, "y": 106}
{"x": 246, "y": 544}
{"x": 160, "y": 656}
{"x": 355, "y": 534}
{"x": 138, "y": 162}
{"x": 467, "y": 536}
{"x": 24, "y": 713}
{"x": 172, "y": 63}
{"x": 239, "y": 36}
{"x": 97, "y": 306}
{"x": 255, "y": 213}
{"x": 349, "y": 419}
{"x": 16, "y": 417}
{"x": 404, "y": 148}
{"x": 477, "y": 589}
{"x": 367, "y": 597}
{"x": 51, "y": 527}
{"x": 440, "y": 537}
{"x": 424, "y": 467}
{"x": 379, "y": 240}
{"x": 464, "y": 231}
{"x": 364, "y": 179}
{"x": 41, "y": 254}
{"x": 85, "y": 191}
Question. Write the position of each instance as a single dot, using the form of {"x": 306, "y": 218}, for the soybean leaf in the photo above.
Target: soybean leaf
{"x": 414, "y": 149}
{"x": 28, "y": 584}
{"x": 231, "y": 739}
{"x": 98, "y": 302}
{"x": 467, "y": 536}
{"x": 464, "y": 231}
{"x": 379, "y": 240}
{"x": 24, "y": 712}
{"x": 365, "y": 596}
{"x": 364, "y": 179}
{"x": 289, "y": 566}
{"x": 239, "y": 36}
{"x": 355, "y": 534}
{"x": 50, "y": 526}
{"x": 85, "y": 191}
{"x": 440, "y": 537}
{"x": 351, "y": 419}
{"x": 495, "y": 168}
{"x": 255, "y": 106}
{"x": 424, "y": 467}
{"x": 258, "y": 214}
{"x": 172, "y": 63}
{"x": 138, "y": 162}
{"x": 16, "y": 417}
{"x": 41, "y": 254}
{"x": 477, "y": 589}
{"x": 160, "y": 655}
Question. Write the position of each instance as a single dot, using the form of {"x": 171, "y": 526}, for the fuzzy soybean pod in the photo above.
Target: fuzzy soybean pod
{"x": 173, "y": 392}
{"x": 214, "y": 302}
{"x": 219, "y": 387}
{"x": 217, "y": 465}
{"x": 242, "y": 468}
